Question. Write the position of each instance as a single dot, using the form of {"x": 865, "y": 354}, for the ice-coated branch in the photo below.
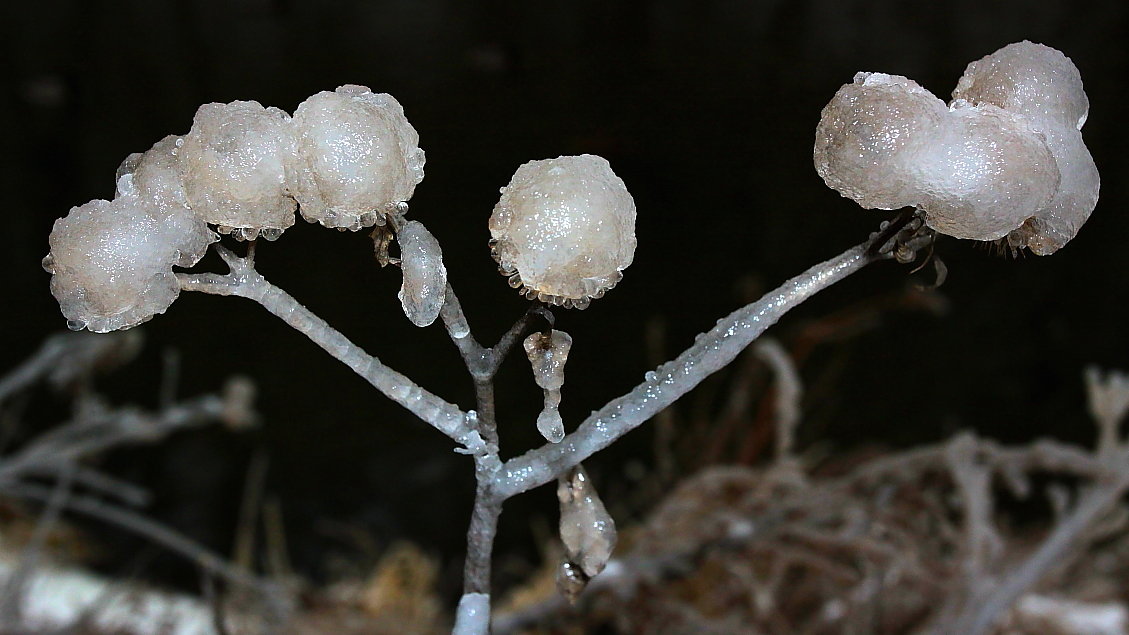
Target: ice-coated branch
{"x": 711, "y": 351}
{"x": 789, "y": 392}
{"x": 980, "y": 616}
{"x": 244, "y": 281}
{"x": 158, "y": 533}
{"x": 474, "y": 354}
{"x": 115, "y": 428}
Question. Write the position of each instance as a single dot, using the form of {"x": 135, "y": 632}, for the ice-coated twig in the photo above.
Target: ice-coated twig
{"x": 474, "y": 355}
{"x": 1110, "y": 483}
{"x": 1108, "y": 400}
{"x": 65, "y": 357}
{"x": 14, "y": 588}
{"x": 244, "y": 281}
{"x": 473, "y": 614}
{"x": 981, "y": 616}
{"x": 160, "y": 534}
{"x": 112, "y": 429}
{"x": 710, "y": 352}
{"x": 973, "y": 478}
{"x": 789, "y": 392}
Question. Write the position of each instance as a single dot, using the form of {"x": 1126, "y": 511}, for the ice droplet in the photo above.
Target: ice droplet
{"x": 550, "y": 424}
{"x": 547, "y": 355}
{"x": 425, "y": 277}
{"x": 587, "y": 530}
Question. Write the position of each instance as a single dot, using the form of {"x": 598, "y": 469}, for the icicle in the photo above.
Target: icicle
{"x": 425, "y": 277}
{"x": 587, "y": 531}
{"x": 548, "y": 354}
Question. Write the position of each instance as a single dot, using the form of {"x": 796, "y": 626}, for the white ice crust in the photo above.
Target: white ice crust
{"x": 564, "y": 229}
{"x": 112, "y": 261}
{"x": 232, "y": 165}
{"x": 1005, "y": 158}
{"x": 357, "y": 157}
{"x": 1045, "y": 87}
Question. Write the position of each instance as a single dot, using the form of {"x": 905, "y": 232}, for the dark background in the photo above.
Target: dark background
{"x": 706, "y": 109}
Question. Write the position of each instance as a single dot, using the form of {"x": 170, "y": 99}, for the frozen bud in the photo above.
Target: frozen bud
{"x": 155, "y": 174}
{"x": 984, "y": 173}
{"x": 1029, "y": 79}
{"x": 548, "y": 354}
{"x": 1044, "y": 86}
{"x": 425, "y": 278}
{"x": 112, "y": 263}
{"x": 869, "y": 137}
{"x": 356, "y": 157}
{"x": 587, "y": 531}
{"x": 1057, "y": 222}
{"x": 155, "y": 178}
{"x": 232, "y": 164}
{"x": 564, "y": 229}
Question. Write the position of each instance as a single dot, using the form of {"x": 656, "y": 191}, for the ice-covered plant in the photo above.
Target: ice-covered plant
{"x": 1005, "y": 160}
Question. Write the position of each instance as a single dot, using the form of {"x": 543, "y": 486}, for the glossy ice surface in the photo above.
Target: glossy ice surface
{"x": 565, "y": 227}
{"x": 1004, "y": 159}
{"x": 356, "y": 157}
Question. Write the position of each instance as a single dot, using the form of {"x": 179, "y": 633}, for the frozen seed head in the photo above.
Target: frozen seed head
{"x": 112, "y": 261}
{"x": 155, "y": 179}
{"x": 983, "y": 173}
{"x": 1005, "y": 159}
{"x": 232, "y": 165}
{"x": 155, "y": 174}
{"x": 1029, "y": 79}
{"x": 1045, "y": 87}
{"x": 869, "y": 138}
{"x": 356, "y": 158}
{"x": 425, "y": 277}
{"x": 564, "y": 230}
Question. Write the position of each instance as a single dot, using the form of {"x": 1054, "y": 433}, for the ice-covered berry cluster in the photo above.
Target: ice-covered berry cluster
{"x": 347, "y": 159}
{"x": 1005, "y": 159}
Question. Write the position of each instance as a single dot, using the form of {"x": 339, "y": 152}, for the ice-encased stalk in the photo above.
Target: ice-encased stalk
{"x": 425, "y": 278}
{"x": 547, "y": 354}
